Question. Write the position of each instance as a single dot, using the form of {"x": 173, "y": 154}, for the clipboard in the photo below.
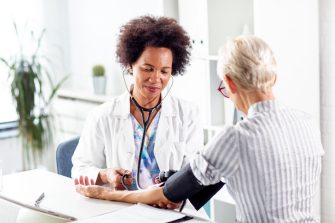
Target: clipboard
{"x": 45, "y": 211}
{"x": 61, "y": 200}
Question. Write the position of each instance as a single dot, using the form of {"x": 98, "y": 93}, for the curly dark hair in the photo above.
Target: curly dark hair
{"x": 150, "y": 31}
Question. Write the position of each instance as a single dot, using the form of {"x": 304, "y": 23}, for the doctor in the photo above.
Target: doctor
{"x": 153, "y": 50}
{"x": 271, "y": 161}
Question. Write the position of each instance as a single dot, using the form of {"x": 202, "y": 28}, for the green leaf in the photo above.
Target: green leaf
{"x": 55, "y": 89}
{"x": 39, "y": 42}
{"x": 5, "y": 62}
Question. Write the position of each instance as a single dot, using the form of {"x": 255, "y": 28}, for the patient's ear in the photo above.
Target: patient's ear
{"x": 231, "y": 85}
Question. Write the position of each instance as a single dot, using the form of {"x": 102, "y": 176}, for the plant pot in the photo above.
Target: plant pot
{"x": 99, "y": 84}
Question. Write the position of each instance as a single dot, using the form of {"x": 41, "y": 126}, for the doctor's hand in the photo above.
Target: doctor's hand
{"x": 113, "y": 176}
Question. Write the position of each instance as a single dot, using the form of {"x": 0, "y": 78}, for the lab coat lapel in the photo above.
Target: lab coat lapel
{"x": 164, "y": 135}
{"x": 122, "y": 107}
{"x": 127, "y": 144}
{"x": 124, "y": 139}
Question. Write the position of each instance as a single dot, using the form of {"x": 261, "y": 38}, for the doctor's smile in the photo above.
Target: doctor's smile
{"x": 153, "y": 89}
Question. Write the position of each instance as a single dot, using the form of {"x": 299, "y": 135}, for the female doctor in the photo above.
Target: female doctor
{"x": 153, "y": 50}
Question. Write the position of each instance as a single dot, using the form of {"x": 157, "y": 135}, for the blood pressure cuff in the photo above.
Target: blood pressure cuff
{"x": 184, "y": 185}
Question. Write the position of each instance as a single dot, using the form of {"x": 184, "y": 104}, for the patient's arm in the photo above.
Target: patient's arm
{"x": 152, "y": 196}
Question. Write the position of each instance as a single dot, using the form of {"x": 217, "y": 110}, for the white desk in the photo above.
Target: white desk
{"x": 60, "y": 196}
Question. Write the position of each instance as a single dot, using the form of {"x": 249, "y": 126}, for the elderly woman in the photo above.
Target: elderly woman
{"x": 271, "y": 161}
{"x": 152, "y": 50}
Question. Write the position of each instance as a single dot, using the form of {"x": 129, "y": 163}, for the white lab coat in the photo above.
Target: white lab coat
{"x": 107, "y": 140}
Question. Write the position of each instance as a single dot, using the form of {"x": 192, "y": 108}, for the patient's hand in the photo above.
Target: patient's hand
{"x": 88, "y": 189}
{"x": 92, "y": 191}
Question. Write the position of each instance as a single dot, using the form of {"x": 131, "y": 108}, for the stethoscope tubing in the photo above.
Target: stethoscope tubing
{"x": 145, "y": 128}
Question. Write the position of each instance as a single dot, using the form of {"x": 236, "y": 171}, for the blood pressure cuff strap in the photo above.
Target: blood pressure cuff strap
{"x": 184, "y": 185}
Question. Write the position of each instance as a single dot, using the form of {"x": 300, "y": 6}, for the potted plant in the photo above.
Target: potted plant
{"x": 99, "y": 79}
{"x": 32, "y": 89}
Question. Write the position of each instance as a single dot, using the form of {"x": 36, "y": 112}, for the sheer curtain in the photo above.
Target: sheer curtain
{"x": 27, "y": 14}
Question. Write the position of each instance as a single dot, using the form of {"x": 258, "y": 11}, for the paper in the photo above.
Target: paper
{"x": 139, "y": 213}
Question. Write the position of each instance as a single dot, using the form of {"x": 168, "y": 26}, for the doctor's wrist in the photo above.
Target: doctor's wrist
{"x": 102, "y": 177}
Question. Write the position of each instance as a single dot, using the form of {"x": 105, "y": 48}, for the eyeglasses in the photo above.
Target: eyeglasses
{"x": 223, "y": 90}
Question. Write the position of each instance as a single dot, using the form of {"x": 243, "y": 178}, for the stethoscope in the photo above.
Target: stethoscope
{"x": 146, "y": 123}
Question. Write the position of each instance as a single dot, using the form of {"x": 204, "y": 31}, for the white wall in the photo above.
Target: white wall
{"x": 291, "y": 29}
{"x": 226, "y": 19}
{"x": 327, "y": 68}
{"x": 55, "y": 20}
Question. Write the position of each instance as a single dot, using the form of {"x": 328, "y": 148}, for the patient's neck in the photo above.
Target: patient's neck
{"x": 246, "y": 99}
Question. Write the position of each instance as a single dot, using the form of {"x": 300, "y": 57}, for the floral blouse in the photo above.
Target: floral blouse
{"x": 149, "y": 169}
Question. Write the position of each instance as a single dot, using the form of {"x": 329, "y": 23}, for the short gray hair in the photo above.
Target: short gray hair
{"x": 248, "y": 61}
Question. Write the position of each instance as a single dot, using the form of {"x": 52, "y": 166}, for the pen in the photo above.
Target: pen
{"x": 39, "y": 200}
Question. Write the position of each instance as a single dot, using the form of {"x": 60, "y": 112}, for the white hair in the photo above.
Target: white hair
{"x": 248, "y": 61}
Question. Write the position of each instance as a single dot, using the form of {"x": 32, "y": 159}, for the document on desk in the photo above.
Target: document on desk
{"x": 139, "y": 213}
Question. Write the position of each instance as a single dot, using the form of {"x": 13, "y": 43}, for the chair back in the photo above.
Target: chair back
{"x": 64, "y": 154}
